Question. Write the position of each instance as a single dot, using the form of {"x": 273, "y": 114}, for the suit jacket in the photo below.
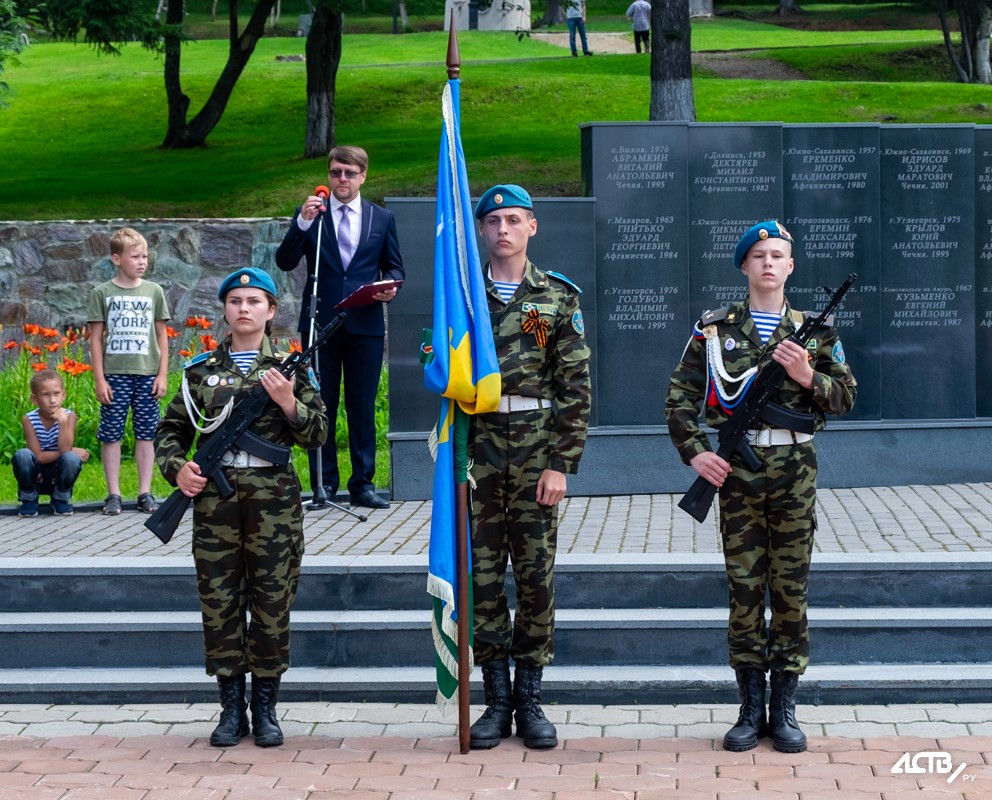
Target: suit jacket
{"x": 377, "y": 257}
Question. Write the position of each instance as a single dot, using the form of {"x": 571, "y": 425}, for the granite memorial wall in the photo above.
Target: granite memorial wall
{"x": 898, "y": 205}
{"x": 908, "y": 208}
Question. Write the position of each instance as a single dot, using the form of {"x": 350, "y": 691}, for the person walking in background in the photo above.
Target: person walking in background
{"x": 130, "y": 347}
{"x": 522, "y": 455}
{"x": 575, "y": 17}
{"x": 247, "y": 548}
{"x": 358, "y": 245}
{"x": 639, "y": 13}
{"x": 50, "y": 463}
{"x": 768, "y": 515}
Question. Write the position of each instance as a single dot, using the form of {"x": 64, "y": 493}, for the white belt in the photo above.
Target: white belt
{"x": 771, "y": 437}
{"x": 509, "y": 403}
{"x": 239, "y": 459}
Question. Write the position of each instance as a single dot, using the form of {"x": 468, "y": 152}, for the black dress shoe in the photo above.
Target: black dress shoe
{"x": 369, "y": 499}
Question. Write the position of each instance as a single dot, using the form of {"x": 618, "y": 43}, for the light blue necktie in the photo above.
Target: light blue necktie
{"x": 344, "y": 238}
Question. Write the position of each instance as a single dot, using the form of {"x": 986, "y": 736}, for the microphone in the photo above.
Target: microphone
{"x": 322, "y": 192}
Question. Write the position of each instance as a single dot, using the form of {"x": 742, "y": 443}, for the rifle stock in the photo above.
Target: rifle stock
{"x": 732, "y": 437}
{"x": 166, "y": 518}
{"x": 698, "y": 501}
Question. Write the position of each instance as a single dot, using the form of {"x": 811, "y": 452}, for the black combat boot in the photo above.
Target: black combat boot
{"x": 751, "y": 723}
{"x": 494, "y": 724}
{"x": 264, "y": 724}
{"x": 782, "y": 725}
{"x": 532, "y": 726}
{"x": 233, "y": 725}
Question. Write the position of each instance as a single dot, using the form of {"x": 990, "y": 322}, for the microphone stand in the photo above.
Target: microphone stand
{"x": 320, "y": 498}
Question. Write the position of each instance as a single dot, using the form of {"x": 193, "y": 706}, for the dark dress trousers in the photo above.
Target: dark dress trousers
{"x": 355, "y": 351}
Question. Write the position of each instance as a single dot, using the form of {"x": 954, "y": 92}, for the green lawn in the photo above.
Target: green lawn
{"x": 91, "y": 125}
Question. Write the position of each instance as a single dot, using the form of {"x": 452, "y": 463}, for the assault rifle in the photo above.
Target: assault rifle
{"x": 756, "y": 405}
{"x": 232, "y": 433}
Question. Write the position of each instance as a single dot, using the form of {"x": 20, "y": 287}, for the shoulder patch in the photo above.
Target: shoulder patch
{"x": 709, "y": 317}
{"x": 198, "y": 359}
{"x": 578, "y": 323}
{"x": 563, "y": 279}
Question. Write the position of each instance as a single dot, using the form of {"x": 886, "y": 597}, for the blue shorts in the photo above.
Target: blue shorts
{"x": 130, "y": 392}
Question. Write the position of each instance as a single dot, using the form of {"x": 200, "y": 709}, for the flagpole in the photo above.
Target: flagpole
{"x": 454, "y": 65}
{"x": 461, "y": 553}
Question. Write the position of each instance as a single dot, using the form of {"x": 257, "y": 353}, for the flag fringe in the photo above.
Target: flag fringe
{"x": 443, "y": 591}
{"x": 432, "y": 442}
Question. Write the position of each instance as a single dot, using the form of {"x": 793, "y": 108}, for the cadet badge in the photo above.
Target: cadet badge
{"x": 578, "y": 323}
{"x": 534, "y": 324}
{"x": 838, "y": 352}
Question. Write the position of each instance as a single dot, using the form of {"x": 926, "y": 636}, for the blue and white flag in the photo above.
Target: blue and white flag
{"x": 464, "y": 371}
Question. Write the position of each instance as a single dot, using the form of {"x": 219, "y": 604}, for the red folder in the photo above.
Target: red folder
{"x": 365, "y": 295}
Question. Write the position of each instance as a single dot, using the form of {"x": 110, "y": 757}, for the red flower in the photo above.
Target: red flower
{"x": 35, "y": 351}
{"x": 192, "y": 322}
{"x": 39, "y": 367}
{"x": 171, "y": 332}
{"x": 295, "y": 346}
{"x": 208, "y": 342}
{"x": 186, "y": 353}
{"x": 51, "y": 348}
{"x": 31, "y": 329}
{"x": 205, "y": 323}
{"x": 11, "y": 345}
{"x": 49, "y": 333}
{"x": 74, "y": 368}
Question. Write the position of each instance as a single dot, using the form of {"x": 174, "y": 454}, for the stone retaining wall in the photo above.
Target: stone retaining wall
{"x": 48, "y": 268}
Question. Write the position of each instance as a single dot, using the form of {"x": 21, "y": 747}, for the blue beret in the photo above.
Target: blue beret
{"x": 504, "y": 195}
{"x": 247, "y": 278}
{"x": 763, "y": 230}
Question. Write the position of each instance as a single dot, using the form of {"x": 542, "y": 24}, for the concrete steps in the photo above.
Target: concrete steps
{"x": 399, "y": 582}
{"x": 874, "y": 684}
{"x": 648, "y": 629}
{"x": 603, "y": 637}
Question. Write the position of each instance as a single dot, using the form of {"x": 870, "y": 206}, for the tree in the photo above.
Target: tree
{"x": 323, "y": 52}
{"x": 11, "y": 39}
{"x": 971, "y": 63}
{"x": 106, "y": 24}
{"x": 180, "y": 132}
{"x": 786, "y": 7}
{"x": 554, "y": 12}
{"x": 671, "y": 62}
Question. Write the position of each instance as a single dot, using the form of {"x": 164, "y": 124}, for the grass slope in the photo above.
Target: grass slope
{"x": 80, "y": 137}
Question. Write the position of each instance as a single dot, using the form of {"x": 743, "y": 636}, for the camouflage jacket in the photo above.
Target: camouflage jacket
{"x": 542, "y": 352}
{"x": 213, "y": 379}
{"x": 834, "y": 387}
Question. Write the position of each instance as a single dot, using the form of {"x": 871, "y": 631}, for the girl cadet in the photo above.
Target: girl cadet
{"x": 247, "y": 549}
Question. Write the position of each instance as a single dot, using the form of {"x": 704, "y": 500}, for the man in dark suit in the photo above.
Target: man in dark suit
{"x": 358, "y": 245}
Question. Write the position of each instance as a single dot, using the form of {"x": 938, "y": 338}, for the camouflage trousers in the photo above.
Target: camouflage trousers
{"x": 247, "y": 551}
{"x": 767, "y": 521}
{"x": 510, "y": 452}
